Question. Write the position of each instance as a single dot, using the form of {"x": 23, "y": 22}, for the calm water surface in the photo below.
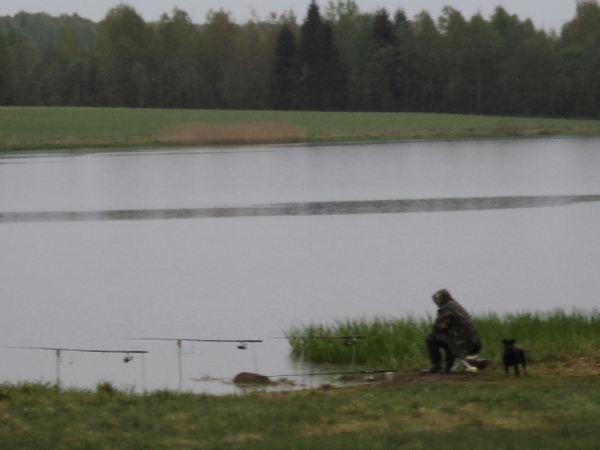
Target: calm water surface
{"x": 100, "y": 249}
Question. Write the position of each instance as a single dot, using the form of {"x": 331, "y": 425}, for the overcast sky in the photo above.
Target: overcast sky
{"x": 547, "y": 14}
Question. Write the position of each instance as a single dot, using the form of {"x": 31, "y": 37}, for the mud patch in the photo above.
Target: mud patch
{"x": 235, "y": 133}
{"x": 330, "y": 426}
{"x": 242, "y": 438}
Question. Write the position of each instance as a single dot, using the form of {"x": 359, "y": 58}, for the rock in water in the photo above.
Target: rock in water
{"x": 250, "y": 378}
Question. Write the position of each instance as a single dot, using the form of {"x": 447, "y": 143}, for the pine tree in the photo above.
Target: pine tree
{"x": 383, "y": 29}
{"x": 335, "y": 77}
{"x": 5, "y": 72}
{"x": 323, "y": 84}
{"x": 284, "y": 70}
{"x": 384, "y": 64}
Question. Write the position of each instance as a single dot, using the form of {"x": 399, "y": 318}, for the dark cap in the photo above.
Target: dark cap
{"x": 441, "y": 296}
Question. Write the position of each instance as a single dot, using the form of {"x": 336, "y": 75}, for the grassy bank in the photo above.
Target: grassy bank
{"x": 555, "y": 338}
{"x": 473, "y": 411}
{"x": 556, "y": 406}
{"x": 48, "y": 128}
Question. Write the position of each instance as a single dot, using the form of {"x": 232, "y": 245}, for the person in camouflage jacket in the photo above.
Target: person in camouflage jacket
{"x": 453, "y": 332}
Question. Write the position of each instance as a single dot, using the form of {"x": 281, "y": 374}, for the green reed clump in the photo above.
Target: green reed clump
{"x": 391, "y": 343}
{"x": 550, "y": 335}
{"x": 400, "y": 343}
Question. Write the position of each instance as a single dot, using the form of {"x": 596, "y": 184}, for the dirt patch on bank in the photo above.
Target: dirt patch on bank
{"x": 234, "y": 133}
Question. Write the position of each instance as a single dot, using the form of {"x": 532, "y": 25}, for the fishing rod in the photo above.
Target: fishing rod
{"x": 242, "y": 345}
{"x": 59, "y": 350}
{"x": 242, "y": 342}
{"x": 82, "y": 350}
{"x": 351, "y": 336}
{"x": 349, "y": 341}
{"x": 335, "y": 373}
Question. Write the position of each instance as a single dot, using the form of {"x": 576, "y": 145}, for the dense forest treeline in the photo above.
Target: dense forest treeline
{"x": 338, "y": 59}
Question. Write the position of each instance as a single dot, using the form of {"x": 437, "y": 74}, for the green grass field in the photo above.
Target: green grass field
{"x": 475, "y": 411}
{"x": 24, "y": 128}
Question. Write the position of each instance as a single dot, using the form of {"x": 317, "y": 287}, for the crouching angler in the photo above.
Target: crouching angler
{"x": 453, "y": 334}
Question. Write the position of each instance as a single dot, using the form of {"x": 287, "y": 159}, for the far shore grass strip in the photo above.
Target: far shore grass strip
{"x": 39, "y": 128}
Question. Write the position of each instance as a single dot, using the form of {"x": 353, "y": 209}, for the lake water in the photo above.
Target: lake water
{"x": 99, "y": 249}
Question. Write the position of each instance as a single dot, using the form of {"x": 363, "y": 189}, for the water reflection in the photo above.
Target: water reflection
{"x": 307, "y": 209}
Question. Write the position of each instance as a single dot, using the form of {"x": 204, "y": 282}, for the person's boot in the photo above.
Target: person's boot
{"x": 449, "y": 366}
{"x": 432, "y": 369}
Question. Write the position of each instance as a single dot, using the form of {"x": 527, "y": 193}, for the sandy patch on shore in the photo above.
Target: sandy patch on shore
{"x": 237, "y": 132}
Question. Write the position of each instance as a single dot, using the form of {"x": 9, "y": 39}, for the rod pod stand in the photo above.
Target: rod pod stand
{"x": 58, "y": 369}
{"x": 352, "y": 343}
{"x": 180, "y": 364}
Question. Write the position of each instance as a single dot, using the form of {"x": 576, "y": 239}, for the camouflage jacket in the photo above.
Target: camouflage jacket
{"x": 454, "y": 321}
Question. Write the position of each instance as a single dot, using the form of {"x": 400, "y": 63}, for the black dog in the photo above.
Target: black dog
{"x": 513, "y": 356}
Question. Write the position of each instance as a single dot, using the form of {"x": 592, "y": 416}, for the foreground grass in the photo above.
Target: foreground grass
{"x": 69, "y": 127}
{"x": 555, "y": 338}
{"x": 556, "y": 406}
{"x": 473, "y": 411}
